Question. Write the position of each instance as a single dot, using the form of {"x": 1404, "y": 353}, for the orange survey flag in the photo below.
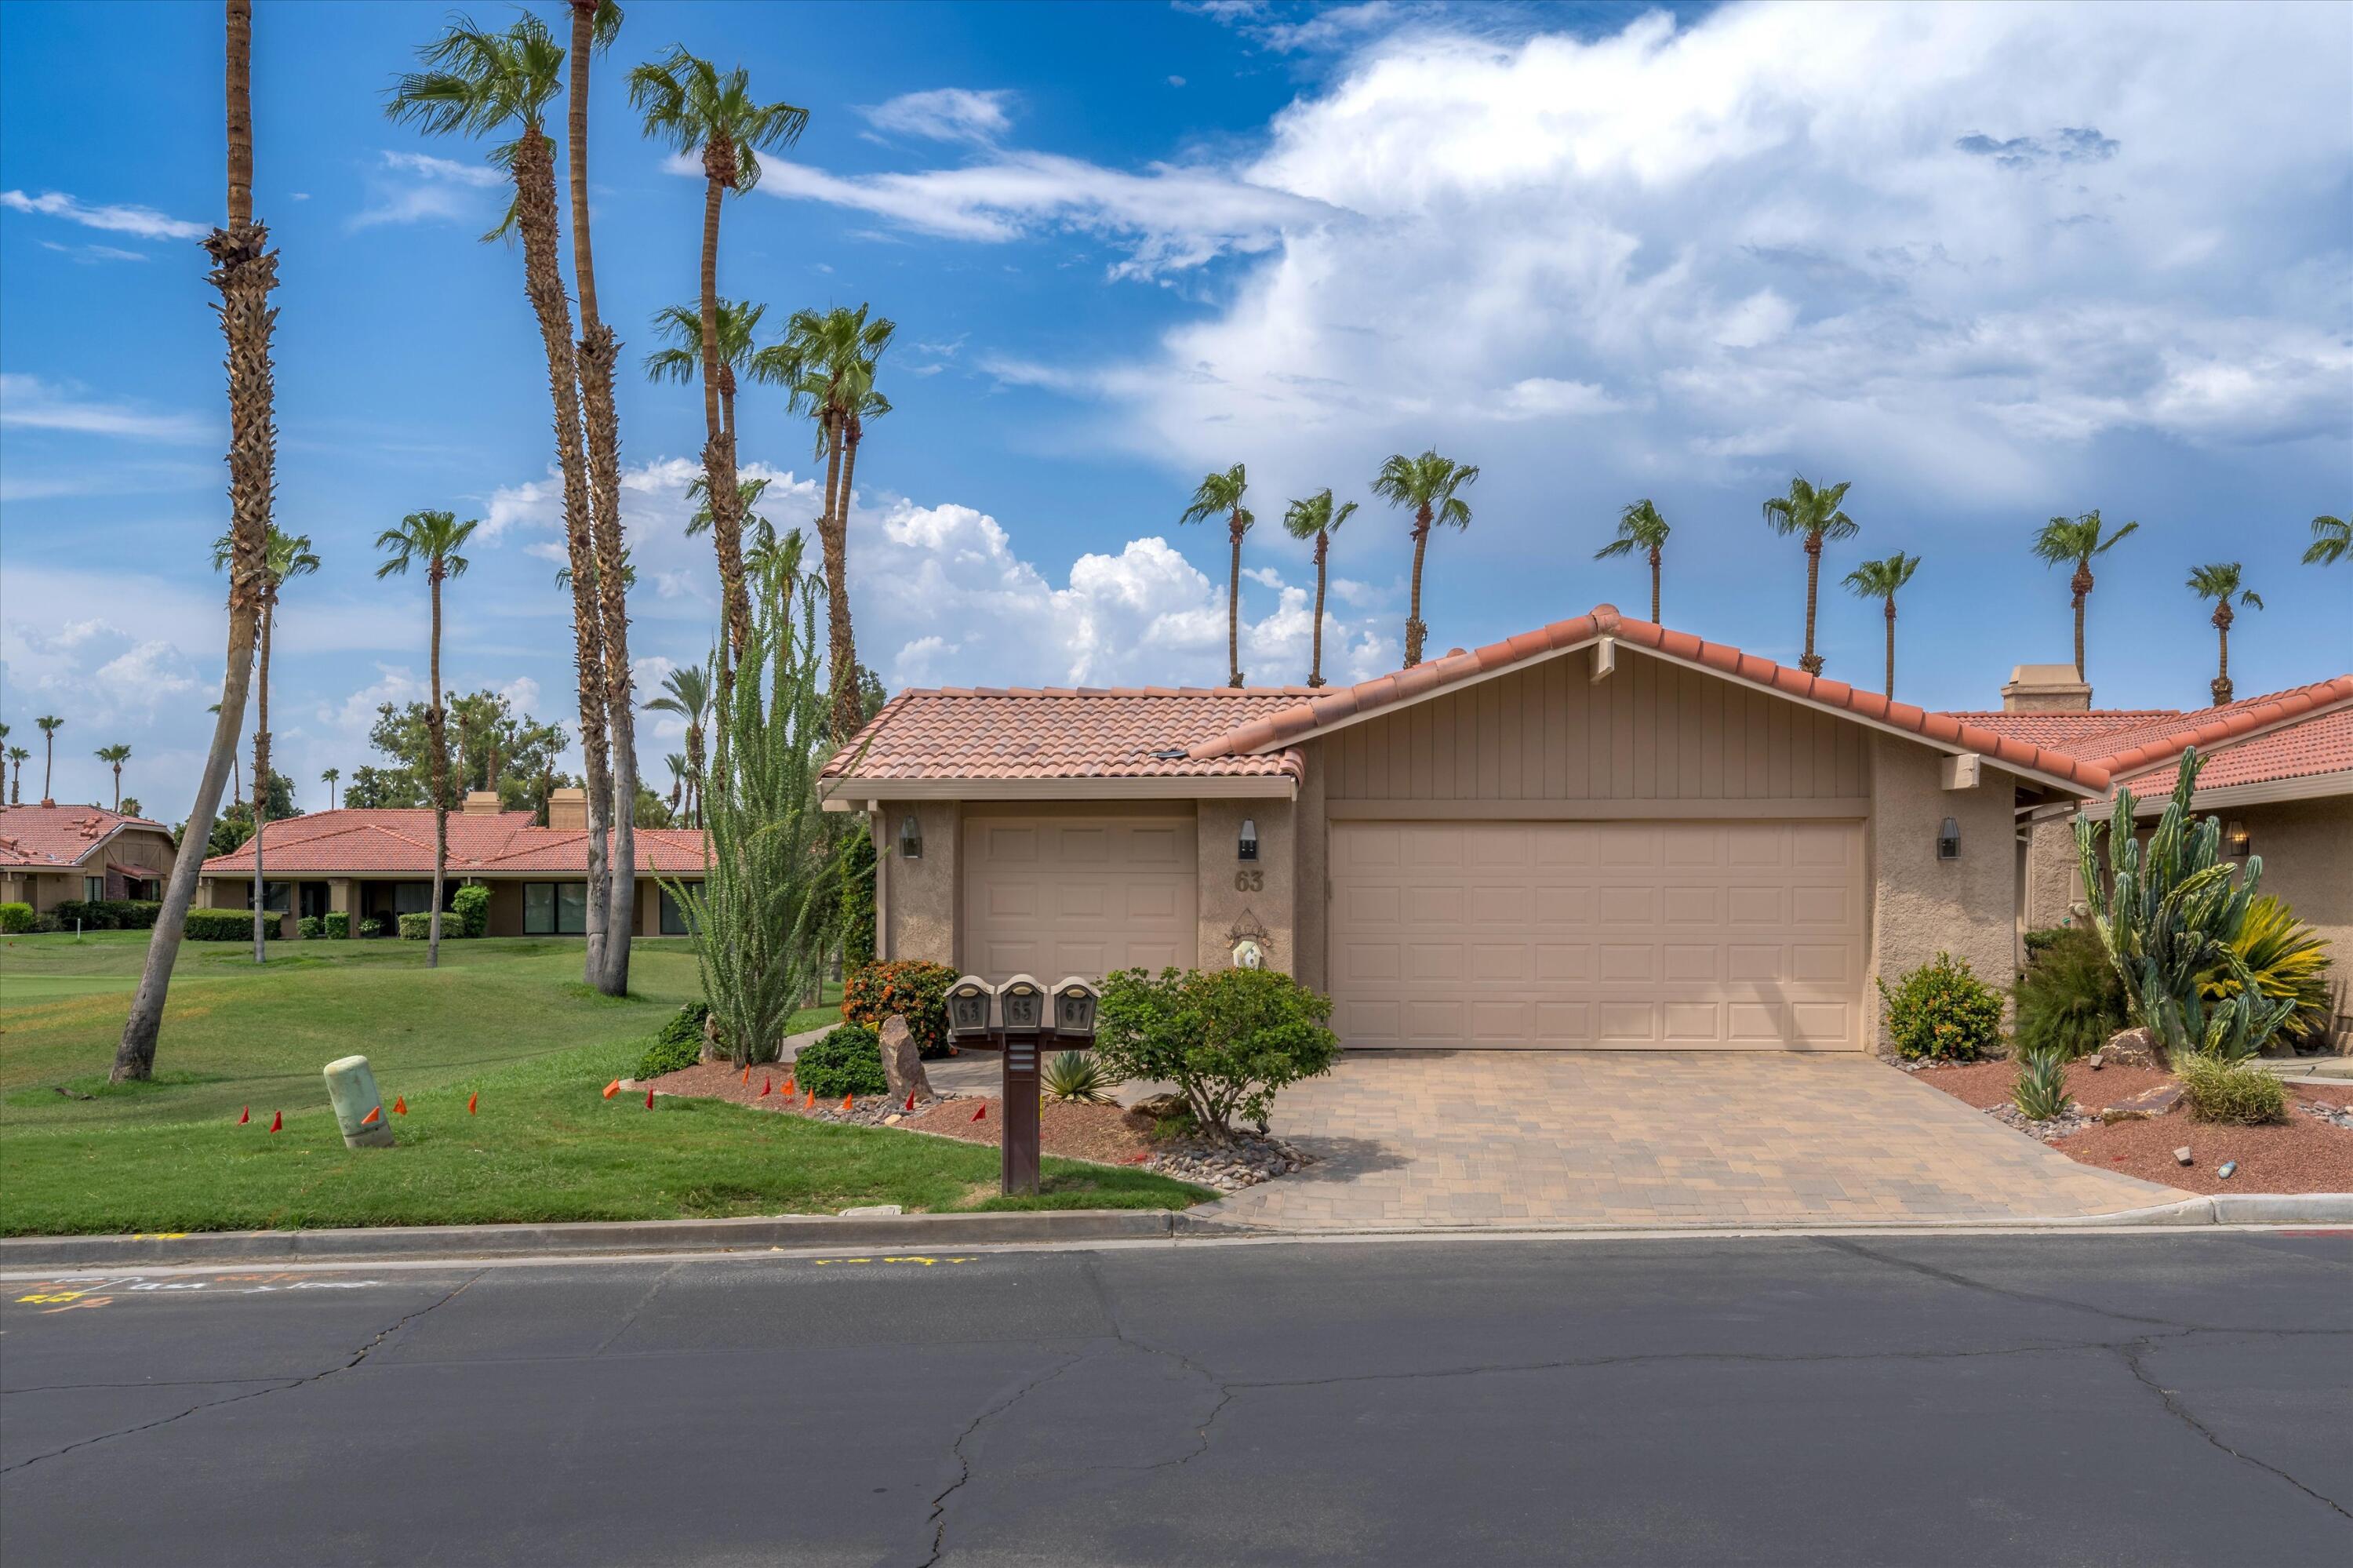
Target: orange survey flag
{"x": 812, "y": 1101}
{"x": 612, "y": 1088}
{"x": 846, "y": 1101}
{"x": 911, "y": 1099}
{"x": 982, "y": 1113}
{"x": 788, "y": 1085}
{"x": 650, "y": 1099}
{"x": 747, "y": 1073}
{"x": 375, "y": 1115}
{"x": 400, "y": 1105}
{"x": 245, "y": 1116}
{"x": 767, "y": 1087}
{"x": 276, "y": 1120}
{"x": 469, "y": 1103}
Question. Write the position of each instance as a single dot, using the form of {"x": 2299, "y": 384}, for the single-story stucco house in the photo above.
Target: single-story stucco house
{"x": 1599, "y": 833}
{"x": 50, "y": 854}
{"x": 377, "y": 864}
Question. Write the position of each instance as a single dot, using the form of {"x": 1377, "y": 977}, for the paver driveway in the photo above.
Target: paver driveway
{"x": 1543, "y": 1137}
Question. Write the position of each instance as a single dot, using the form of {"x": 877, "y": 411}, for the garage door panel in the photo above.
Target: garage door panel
{"x": 1741, "y": 936}
{"x": 1050, "y": 896}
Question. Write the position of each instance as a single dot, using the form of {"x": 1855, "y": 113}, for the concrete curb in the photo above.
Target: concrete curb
{"x": 897, "y": 1233}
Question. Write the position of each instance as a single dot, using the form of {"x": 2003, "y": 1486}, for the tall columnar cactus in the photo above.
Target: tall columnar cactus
{"x": 2171, "y": 912}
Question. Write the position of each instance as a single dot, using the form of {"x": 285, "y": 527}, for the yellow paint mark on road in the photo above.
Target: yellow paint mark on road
{"x": 42, "y": 1298}
{"x": 78, "y": 1305}
{"x": 927, "y": 1262}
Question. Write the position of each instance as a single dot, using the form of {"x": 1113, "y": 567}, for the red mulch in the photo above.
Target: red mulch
{"x": 2300, "y": 1155}
{"x": 718, "y": 1081}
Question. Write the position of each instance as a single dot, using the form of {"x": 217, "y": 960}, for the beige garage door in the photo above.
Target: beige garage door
{"x": 1050, "y": 896}
{"x": 1659, "y": 936}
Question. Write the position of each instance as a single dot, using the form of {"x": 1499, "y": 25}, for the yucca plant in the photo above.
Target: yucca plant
{"x": 2170, "y": 912}
{"x": 2287, "y": 960}
{"x": 1075, "y": 1077}
{"x": 2041, "y": 1092}
{"x": 764, "y": 918}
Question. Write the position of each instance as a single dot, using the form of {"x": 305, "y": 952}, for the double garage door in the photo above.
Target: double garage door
{"x": 1048, "y": 896}
{"x": 1660, "y": 936}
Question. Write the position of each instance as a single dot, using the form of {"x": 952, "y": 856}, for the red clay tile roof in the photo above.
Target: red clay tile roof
{"x": 2065, "y": 731}
{"x": 60, "y": 836}
{"x": 2300, "y": 750}
{"x": 1301, "y": 719}
{"x": 1062, "y": 733}
{"x": 2127, "y": 751}
{"x": 399, "y": 842}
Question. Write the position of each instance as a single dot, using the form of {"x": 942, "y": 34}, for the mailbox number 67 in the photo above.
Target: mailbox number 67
{"x": 1248, "y": 881}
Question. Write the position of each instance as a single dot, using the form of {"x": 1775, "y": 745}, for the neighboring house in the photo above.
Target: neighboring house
{"x": 50, "y": 854}
{"x": 1600, "y": 833}
{"x": 2278, "y": 772}
{"x": 377, "y": 864}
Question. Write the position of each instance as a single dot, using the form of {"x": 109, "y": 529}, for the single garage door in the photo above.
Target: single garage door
{"x": 1049, "y": 897}
{"x": 1659, "y": 936}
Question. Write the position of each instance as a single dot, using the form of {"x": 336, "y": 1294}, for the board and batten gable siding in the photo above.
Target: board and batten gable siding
{"x": 1651, "y": 731}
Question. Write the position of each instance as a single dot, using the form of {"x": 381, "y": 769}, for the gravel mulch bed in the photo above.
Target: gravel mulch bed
{"x": 2312, "y": 1151}
{"x": 1100, "y": 1133}
{"x": 1250, "y": 1159}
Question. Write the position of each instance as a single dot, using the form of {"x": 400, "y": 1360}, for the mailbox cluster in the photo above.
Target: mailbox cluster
{"x": 1019, "y": 1017}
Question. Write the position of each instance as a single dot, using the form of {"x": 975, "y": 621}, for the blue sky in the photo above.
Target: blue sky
{"x": 1990, "y": 263}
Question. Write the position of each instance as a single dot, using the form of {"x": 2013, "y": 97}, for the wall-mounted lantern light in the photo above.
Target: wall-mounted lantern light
{"x": 2235, "y": 835}
{"x": 910, "y": 838}
{"x": 1247, "y": 848}
{"x": 1948, "y": 840}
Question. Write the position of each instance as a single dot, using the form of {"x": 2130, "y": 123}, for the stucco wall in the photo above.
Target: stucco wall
{"x": 2051, "y": 883}
{"x": 919, "y": 897}
{"x": 1225, "y": 905}
{"x": 1310, "y": 914}
{"x": 2306, "y": 847}
{"x": 1920, "y": 904}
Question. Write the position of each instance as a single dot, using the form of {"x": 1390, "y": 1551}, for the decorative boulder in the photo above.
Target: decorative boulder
{"x": 903, "y": 1064}
{"x": 2146, "y": 1104}
{"x": 1159, "y": 1108}
{"x": 2132, "y": 1048}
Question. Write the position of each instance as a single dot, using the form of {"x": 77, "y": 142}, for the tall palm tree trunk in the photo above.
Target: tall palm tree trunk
{"x": 2221, "y": 687}
{"x": 1654, "y": 584}
{"x": 598, "y": 350}
{"x": 48, "y": 763}
{"x": 1891, "y": 646}
{"x": 1315, "y": 644}
{"x": 117, "y": 789}
{"x": 2081, "y": 587}
{"x": 437, "y": 730}
{"x": 261, "y": 785}
{"x": 719, "y": 445}
{"x": 1234, "y": 603}
{"x": 245, "y": 270}
{"x": 842, "y": 651}
{"x": 1414, "y": 629}
{"x": 534, "y": 176}
{"x": 1811, "y": 662}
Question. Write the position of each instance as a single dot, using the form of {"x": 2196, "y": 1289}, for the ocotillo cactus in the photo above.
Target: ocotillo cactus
{"x": 2171, "y": 913}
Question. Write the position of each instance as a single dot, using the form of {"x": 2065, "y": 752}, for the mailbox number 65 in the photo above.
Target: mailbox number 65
{"x": 1248, "y": 881}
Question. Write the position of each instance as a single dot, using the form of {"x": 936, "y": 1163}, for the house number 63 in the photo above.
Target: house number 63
{"x": 1248, "y": 881}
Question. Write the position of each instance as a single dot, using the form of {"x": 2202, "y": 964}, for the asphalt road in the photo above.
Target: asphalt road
{"x": 2079, "y": 1400}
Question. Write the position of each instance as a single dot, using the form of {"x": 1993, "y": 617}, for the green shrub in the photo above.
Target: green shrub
{"x": 309, "y": 926}
{"x": 108, "y": 914}
{"x": 371, "y": 928}
{"x": 16, "y": 919}
{"x": 1942, "y": 1010}
{"x": 2040, "y": 1091}
{"x": 225, "y": 925}
{"x": 677, "y": 1044}
{"x": 2237, "y": 1091}
{"x": 857, "y": 901}
{"x": 1075, "y": 1077}
{"x": 847, "y": 1061}
{"x": 471, "y": 906}
{"x": 2046, "y": 936}
{"x": 338, "y": 925}
{"x": 2069, "y": 999}
{"x": 1228, "y": 1040}
{"x": 2285, "y": 960}
{"x": 418, "y": 927}
{"x": 83, "y": 914}
{"x": 909, "y": 989}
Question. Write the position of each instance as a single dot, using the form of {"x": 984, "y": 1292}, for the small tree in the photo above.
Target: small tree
{"x": 2170, "y": 915}
{"x": 1228, "y": 1040}
{"x": 766, "y": 914}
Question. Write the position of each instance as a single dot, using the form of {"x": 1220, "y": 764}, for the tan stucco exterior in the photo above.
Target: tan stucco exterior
{"x": 46, "y": 888}
{"x": 1920, "y": 904}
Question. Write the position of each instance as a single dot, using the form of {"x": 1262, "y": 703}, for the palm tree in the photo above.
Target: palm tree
{"x": 2078, "y": 539}
{"x": 677, "y": 784}
{"x": 244, "y": 270}
{"x": 1220, "y": 496}
{"x": 680, "y": 361}
{"x": 477, "y": 82}
{"x": 686, "y": 692}
{"x": 330, "y": 779}
{"x": 1881, "y": 580}
{"x": 690, "y": 105}
{"x": 18, "y": 756}
{"x": 825, "y": 365}
{"x": 2219, "y": 582}
{"x": 1313, "y": 517}
{"x": 435, "y": 538}
{"x": 48, "y": 724}
{"x": 1427, "y": 483}
{"x": 236, "y": 779}
{"x": 116, "y": 756}
{"x": 2332, "y": 541}
{"x": 284, "y": 555}
{"x": 628, "y": 574}
{"x": 1639, "y": 527}
{"x": 1814, "y": 513}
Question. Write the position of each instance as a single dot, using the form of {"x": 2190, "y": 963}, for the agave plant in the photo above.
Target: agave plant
{"x": 1075, "y": 1077}
{"x": 2287, "y": 960}
{"x": 2169, "y": 914}
{"x": 2041, "y": 1092}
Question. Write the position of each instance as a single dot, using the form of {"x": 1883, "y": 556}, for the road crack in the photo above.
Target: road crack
{"x": 938, "y": 1517}
{"x": 2132, "y": 1354}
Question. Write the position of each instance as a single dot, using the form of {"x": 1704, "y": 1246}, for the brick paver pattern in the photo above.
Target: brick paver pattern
{"x": 1467, "y": 1138}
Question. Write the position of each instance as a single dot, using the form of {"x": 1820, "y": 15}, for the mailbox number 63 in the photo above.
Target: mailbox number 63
{"x": 1248, "y": 881}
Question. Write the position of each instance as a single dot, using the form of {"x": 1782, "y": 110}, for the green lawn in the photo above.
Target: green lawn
{"x": 507, "y": 1020}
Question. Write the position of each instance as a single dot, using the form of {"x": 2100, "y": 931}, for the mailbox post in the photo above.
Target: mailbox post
{"x": 1021, "y": 1019}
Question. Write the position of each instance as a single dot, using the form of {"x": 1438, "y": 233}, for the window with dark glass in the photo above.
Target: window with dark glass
{"x": 411, "y": 898}
{"x": 555, "y": 908}
{"x": 673, "y": 918}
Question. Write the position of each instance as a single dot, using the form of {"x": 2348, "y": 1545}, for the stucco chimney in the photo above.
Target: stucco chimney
{"x": 2045, "y": 689}
{"x": 481, "y": 802}
{"x": 568, "y": 810}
